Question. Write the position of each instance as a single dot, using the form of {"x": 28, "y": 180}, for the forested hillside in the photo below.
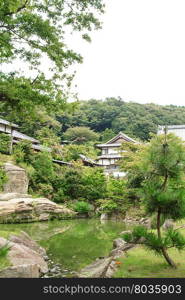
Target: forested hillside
{"x": 134, "y": 119}
{"x": 105, "y": 117}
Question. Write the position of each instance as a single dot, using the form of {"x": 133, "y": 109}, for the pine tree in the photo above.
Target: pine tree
{"x": 162, "y": 165}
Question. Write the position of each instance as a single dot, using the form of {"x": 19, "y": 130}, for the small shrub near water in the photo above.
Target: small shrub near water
{"x": 4, "y": 251}
{"x": 81, "y": 207}
{"x": 108, "y": 206}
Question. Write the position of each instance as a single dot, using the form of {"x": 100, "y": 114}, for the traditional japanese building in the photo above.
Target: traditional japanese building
{"x": 16, "y": 136}
{"x": 111, "y": 153}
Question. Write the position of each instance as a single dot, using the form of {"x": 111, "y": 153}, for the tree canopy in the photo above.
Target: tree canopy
{"x": 80, "y": 135}
{"x": 136, "y": 120}
{"x": 32, "y": 31}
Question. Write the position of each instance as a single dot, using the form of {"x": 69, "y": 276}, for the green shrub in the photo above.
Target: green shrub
{"x": 44, "y": 170}
{"x": 108, "y": 206}
{"x": 94, "y": 183}
{"x": 81, "y": 207}
{"x": 45, "y": 189}
{"x": 5, "y": 140}
{"x": 3, "y": 178}
{"x": 4, "y": 250}
{"x": 59, "y": 196}
{"x": 23, "y": 153}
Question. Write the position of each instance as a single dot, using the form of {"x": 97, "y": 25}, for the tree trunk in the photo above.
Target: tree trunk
{"x": 168, "y": 259}
{"x": 163, "y": 249}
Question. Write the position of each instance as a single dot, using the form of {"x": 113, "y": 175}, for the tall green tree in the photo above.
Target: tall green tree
{"x": 162, "y": 165}
{"x": 33, "y": 30}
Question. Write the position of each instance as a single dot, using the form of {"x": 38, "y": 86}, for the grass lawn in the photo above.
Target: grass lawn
{"x": 4, "y": 158}
{"x": 142, "y": 263}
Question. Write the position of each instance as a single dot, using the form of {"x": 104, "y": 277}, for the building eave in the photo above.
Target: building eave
{"x": 22, "y": 136}
{"x": 109, "y": 156}
{"x": 122, "y": 135}
{"x": 108, "y": 145}
{"x": 4, "y": 122}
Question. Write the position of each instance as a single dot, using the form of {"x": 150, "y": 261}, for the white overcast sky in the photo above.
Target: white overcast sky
{"x": 139, "y": 54}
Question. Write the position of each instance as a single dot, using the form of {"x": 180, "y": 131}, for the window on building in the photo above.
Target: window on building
{"x": 105, "y": 151}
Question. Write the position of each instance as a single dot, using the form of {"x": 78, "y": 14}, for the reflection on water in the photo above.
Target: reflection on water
{"x": 72, "y": 243}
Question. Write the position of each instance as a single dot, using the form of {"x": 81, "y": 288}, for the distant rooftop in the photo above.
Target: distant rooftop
{"x": 2, "y": 121}
{"x": 112, "y": 142}
{"x": 123, "y": 136}
{"x": 108, "y": 145}
{"x": 171, "y": 127}
{"x": 23, "y": 136}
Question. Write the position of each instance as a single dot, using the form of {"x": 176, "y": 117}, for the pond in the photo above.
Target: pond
{"x": 72, "y": 244}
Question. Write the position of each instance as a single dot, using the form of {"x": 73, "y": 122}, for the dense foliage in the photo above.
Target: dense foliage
{"x": 73, "y": 184}
{"x": 5, "y": 142}
{"x": 112, "y": 115}
{"x": 33, "y": 37}
{"x": 80, "y": 135}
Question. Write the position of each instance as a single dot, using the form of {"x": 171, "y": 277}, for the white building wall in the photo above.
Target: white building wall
{"x": 180, "y": 132}
{"x": 5, "y": 128}
{"x": 112, "y": 150}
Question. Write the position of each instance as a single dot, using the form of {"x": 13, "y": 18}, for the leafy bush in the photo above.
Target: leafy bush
{"x": 23, "y": 153}
{"x": 4, "y": 250}
{"x": 94, "y": 183}
{"x": 108, "y": 206}
{"x": 5, "y": 143}
{"x": 43, "y": 166}
{"x": 81, "y": 207}
{"x": 45, "y": 189}
{"x": 59, "y": 196}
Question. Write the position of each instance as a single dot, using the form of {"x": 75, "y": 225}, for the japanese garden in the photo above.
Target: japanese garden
{"x": 88, "y": 187}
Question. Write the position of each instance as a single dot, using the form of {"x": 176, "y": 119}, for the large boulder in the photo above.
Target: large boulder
{"x": 19, "y": 254}
{"x": 19, "y": 210}
{"x": 16, "y": 206}
{"x": 22, "y": 271}
{"x": 118, "y": 243}
{"x": 25, "y": 256}
{"x": 9, "y": 196}
{"x": 24, "y": 239}
{"x": 17, "y": 179}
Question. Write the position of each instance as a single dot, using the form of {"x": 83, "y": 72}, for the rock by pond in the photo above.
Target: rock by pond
{"x": 16, "y": 206}
{"x": 25, "y": 257}
{"x": 70, "y": 244}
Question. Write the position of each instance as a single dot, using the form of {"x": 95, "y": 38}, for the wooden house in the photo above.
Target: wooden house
{"x": 16, "y": 136}
{"x": 111, "y": 153}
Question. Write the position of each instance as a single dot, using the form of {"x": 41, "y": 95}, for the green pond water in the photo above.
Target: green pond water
{"x": 72, "y": 244}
